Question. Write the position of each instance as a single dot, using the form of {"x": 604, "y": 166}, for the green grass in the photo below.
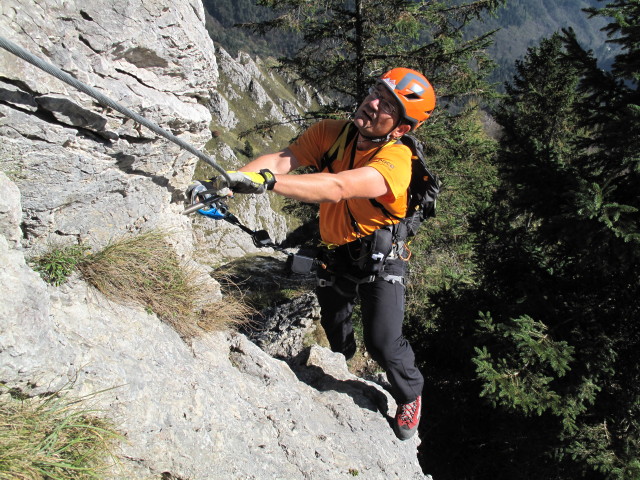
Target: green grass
{"x": 58, "y": 263}
{"x": 53, "y": 438}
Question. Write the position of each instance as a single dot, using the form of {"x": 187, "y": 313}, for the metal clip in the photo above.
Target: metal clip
{"x": 323, "y": 282}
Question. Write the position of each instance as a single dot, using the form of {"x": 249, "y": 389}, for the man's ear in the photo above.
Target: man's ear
{"x": 401, "y": 130}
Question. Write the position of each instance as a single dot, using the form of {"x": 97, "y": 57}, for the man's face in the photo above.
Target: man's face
{"x": 378, "y": 113}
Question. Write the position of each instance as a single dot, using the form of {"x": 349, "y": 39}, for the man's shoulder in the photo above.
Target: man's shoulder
{"x": 310, "y": 147}
{"x": 330, "y": 127}
{"x": 397, "y": 152}
{"x": 400, "y": 148}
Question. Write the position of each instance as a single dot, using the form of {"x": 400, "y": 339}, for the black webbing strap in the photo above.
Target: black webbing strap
{"x": 344, "y": 138}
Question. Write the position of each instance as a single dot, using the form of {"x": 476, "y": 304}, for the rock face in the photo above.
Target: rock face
{"x": 220, "y": 408}
{"x": 154, "y": 58}
{"x": 73, "y": 171}
{"x": 74, "y": 141}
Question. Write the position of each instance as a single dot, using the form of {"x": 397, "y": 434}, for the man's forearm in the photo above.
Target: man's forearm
{"x": 310, "y": 187}
{"x": 365, "y": 182}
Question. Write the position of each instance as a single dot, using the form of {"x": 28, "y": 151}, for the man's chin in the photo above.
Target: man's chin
{"x": 361, "y": 124}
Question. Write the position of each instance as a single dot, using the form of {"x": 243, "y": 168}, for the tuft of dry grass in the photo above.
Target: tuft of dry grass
{"x": 234, "y": 308}
{"x": 145, "y": 270}
{"x": 227, "y": 312}
{"x": 53, "y": 438}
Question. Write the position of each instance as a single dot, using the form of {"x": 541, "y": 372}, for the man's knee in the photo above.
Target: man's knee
{"x": 387, "y": 351}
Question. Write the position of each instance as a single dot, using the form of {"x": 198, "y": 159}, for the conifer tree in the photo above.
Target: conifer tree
{"x": 495, "y": 435}
{"x": 553, "y": 351}
{"x": 346, "y": 45}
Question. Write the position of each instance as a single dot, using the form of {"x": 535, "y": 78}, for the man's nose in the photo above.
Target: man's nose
{"x": 375, "y": 103}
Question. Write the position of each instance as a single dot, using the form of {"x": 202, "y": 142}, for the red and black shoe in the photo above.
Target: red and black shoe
{"x": 407, "y": 419}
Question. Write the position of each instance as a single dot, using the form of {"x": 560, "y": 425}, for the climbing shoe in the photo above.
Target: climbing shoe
{"x": 405, "y": 424}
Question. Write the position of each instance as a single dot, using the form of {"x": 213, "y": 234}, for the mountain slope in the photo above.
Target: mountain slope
{"x": 522, "y": 23}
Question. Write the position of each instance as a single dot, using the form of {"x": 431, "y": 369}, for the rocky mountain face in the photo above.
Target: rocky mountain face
{"x": 219, "y": 407}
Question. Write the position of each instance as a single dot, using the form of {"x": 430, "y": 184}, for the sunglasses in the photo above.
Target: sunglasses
{"x": 384, "y": 105}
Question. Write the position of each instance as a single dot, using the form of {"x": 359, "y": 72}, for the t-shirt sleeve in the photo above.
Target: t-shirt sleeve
{"x": 394, "y": 164}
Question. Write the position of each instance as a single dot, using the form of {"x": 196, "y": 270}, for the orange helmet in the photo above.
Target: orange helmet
{"x": 414, "y": 93}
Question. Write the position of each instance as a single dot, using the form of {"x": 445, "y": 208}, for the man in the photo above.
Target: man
{"x": 363, "y": 256}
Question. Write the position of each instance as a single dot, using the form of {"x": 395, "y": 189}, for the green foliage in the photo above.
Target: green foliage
{"x": 345, "y": 46}
{"x": 553, "y": 392}
{"x": 519, "y": 24}
{"x": 58, "y": 263}
{"x": 248, "y": 150}
{"x": 522, "y": 374}
{"x": 443, "y": 251}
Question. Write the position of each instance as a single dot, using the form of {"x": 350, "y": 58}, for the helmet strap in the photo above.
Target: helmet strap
{"x": 383, "y": 138}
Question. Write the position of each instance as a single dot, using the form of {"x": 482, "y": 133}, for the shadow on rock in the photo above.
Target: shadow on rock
{"x": 317, "y": 376}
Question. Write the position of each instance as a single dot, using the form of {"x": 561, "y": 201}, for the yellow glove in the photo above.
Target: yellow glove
{"x": 251, "y": 182}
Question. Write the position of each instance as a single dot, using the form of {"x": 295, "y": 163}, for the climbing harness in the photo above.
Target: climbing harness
{"x": 107, "y": 102}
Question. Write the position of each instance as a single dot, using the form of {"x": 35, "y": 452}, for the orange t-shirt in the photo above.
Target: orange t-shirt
{"x": 393, "y": 161}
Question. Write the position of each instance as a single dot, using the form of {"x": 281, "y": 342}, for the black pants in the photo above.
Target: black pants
{"x": 382, "y": 305}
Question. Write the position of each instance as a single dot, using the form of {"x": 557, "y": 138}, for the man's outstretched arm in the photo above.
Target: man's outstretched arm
{"x": 365, "y": 182}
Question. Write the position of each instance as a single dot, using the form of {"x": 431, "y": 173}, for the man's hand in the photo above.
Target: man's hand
{"x": 195, "y": 191}
{"x": 251, "y": 182}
